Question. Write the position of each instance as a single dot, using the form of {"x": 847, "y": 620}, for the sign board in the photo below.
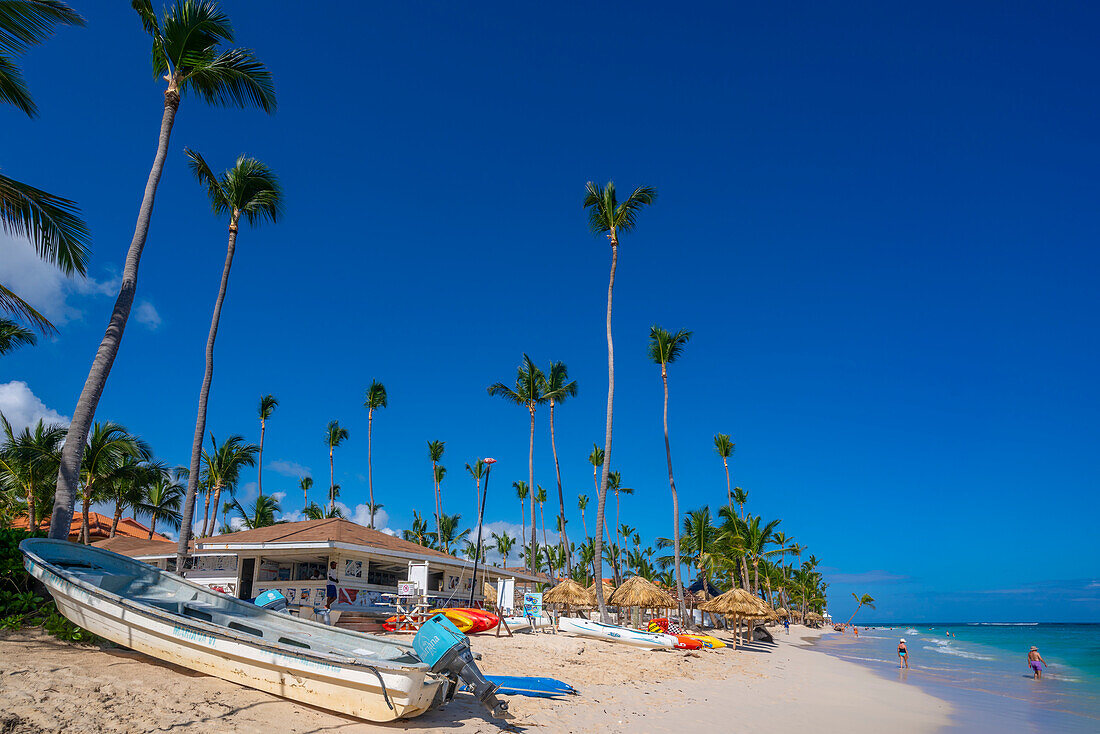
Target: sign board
{"x": 506, "y": 595}
{"x": 418, "y": 574}
{"x": 406, "y": 588}
{"x": 532, "y": 604}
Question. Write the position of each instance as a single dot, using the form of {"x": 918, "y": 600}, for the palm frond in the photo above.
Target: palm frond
{"x": 144, "y": 9}
{"x": 16, "y": 306}
{"x": 219, "y": 202}
{"x": 254, "y": 190}
{"x": 13, "y": 87}
{"x": 25, "y": 23}
{"x": 51, "y": 223}
{"x": 626, "y": 214}
{"x": 13, "y": 336}
{"x": 232, "y": 78}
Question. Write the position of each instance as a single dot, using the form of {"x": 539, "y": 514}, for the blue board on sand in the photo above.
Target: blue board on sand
{"x": 518, "y": 685}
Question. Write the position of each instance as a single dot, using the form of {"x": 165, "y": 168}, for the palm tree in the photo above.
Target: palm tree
{"x": 249, "y": 189}
{"x": 698, "y": 540}
{"x": 861, "y": 601}
{"x": 451, "y": 533}
{"x": 373, "y": 510}
{"x": 223, "y": 471}
{"x": 315, "y": 512}
{"x": 582, "y": 505}
{"x": 724, "y": 448}
{"x": 185, "y": 51}
{"x": 51, "y": 224}
{"x": 334, "y": 436}
{"x": 260, "y": 515}
{"x": 504, "y": 544}
{"x": 13, "y": 336}
{"x": 305, "y": 484}
{"x": 477, "y": 471}
{"x": 740, "y": 496}
{"x": 530, "y": 392}
{"x": 267, "y": 406}
{"x": 606, "y": 215}
{"x": 435, "y": 453}
{"x": 522, "y": 490}
{"x": 162, "y": 500}
{"x": 614, "y": 484}
{"x": 28, "y": 463}
{"x": 440, "y": 473}
{"x": 558, "y": 388}
{"x": 540, "y": 498}
{"x": 129, "y": 486}
{"x": 376, "y": 398}
{"x": 103, "y": 463}
{"x": 596, "y": 460}
{"x": 664, "y": 349}
{"x": 419, "y": 533}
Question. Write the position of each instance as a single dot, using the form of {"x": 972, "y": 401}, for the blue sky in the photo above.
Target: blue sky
{"x": 880, "y": 223}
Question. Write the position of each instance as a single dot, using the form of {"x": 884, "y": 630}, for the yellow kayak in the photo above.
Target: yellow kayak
{"x": 712, "y": 642}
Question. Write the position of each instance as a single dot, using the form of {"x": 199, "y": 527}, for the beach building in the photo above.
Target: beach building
{"x": 296, "y": 559}
{"x": 99, "y": 527}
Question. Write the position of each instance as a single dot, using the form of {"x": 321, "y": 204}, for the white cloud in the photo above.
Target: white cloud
{"x": 289, "y": 469}
{"x": 278, "y": 496}
{"x": 42, "y": 284}
{"x": 146, "y": 314}
{"x": 361, "y": 516}
{"x": 22, "y": 408}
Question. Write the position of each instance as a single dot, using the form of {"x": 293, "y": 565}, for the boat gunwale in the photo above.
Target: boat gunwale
{"x": 209, "y": 628}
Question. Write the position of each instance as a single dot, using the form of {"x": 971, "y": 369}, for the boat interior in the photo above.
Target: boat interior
{"x": 143, "y": 584}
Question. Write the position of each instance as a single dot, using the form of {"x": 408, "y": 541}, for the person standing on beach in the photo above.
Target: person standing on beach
{"x": 903, "y": 654}
{"x": 787, "y": 625}
{"x": 330, "y": 591}
{"x": 1035, "y": 660}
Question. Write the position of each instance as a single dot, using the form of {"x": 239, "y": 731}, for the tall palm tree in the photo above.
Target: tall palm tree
{"x": 305, "y": 484}
{"x": 451, "y": 533}
{"x": 607, "y": 215}
{"x": 440, "y": 473}
{"x": 28, "y": 463}
{"x": 51, "y": 224}
{"x": 861, "y": 601}
{"x": 373, "y": 510}
{"x": 163, "y": 499}
{"x": 104, "y": 462}
{"x": 435, "y": 453}
{"x": 223, "y": 467}
{"x": 724, "y": 448}
{"x": 614, "y": 484}
{"x": 586, "y": 556}
{"x": 267, "y": 406}
{"x": 522, "y": 490}
{"x": 375, "y": 399}
{"x": 558, "y": 388}
{"x": 530, "y": 392}
{"x": 582, "y": 505}
{"x": 13, "y": 336}
{"x": 249, "y": 189}
{"x": 129, "y": 487}
{"x": 334, "y": 436}
{"x": 260, "y": 515}
{"x": 186, "y": 52}
{"x": 504, "y": 544}
{"x": 315, "y": 512}
{"x": 664, "y": 349}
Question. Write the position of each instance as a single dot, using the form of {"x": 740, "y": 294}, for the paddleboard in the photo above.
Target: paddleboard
{"x": 519, "y": 685}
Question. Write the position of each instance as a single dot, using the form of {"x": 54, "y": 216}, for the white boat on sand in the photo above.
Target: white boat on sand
{"x": 175, "y": 620}
{"x": 613, "y": 633}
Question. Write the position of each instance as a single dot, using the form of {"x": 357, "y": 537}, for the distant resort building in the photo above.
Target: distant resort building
{"x": 99, "y": 527}
{"x": 295, "y": 559}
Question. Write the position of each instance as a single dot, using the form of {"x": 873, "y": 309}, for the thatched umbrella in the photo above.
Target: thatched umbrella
{"x": 638, "y": 592}
{"x": 490, "y": 593}
{"x": 608, "y": 590}
{"x": 569, "y": 594}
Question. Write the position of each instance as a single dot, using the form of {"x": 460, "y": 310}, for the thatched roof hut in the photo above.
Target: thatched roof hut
{"x": 782, "y": 612}
{"x": 638, "y": 592}
{"x": 734, "y": 603}
{"x": 568, "y": 593}
{"x": 608, "y": 590}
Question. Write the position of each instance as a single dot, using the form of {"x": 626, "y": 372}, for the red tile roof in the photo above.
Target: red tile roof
{"x": 99, "y": 526}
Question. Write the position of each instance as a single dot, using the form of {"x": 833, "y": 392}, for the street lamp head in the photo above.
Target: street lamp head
{"x": 489, "y": 461}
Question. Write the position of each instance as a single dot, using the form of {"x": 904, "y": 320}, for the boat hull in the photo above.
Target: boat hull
{"x": 352, "y": 689}
{"x": 612, "y": 633}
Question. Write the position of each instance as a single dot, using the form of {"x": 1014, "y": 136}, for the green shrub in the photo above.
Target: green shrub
{"x": 19, "y": 605}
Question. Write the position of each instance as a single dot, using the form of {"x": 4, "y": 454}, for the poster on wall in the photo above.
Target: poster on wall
{"x": 532, "y": 604}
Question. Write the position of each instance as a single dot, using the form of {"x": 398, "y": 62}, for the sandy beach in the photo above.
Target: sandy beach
{"x": 50, "y": 686}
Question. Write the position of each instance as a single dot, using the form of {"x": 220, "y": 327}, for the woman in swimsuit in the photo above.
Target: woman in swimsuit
{"x": 903, "y": 654}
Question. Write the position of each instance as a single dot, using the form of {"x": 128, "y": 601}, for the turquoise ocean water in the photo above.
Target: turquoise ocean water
{"x": 981, "y": 669}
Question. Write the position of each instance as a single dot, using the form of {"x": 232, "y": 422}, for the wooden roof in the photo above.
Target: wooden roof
{"x": 137, "y": 547}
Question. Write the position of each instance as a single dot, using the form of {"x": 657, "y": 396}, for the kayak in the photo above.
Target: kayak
{"x": 707, "y": 641}
{"x": 470, "y": 621}
{"x": 612, "y": 633}
{"x": 686, "y": 642}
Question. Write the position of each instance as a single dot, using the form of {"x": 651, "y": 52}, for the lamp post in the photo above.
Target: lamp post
{"x": 477, "y": 548}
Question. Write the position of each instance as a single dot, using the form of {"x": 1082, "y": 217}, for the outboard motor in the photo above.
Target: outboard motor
{"x": 272, "y": 599}
{"x": 442, "y": 646}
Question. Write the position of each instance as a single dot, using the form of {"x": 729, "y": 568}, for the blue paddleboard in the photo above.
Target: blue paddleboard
{"x": 518, "y": 685}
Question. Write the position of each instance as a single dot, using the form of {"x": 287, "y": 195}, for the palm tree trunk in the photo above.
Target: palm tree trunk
{"x": 531, "y": 480}
{"x": 85, "y": 526}
{"x": 370, "y": 464}
{"x": 116, "y": 518}
{"x": 549, "y": 561}
{"x": 523, "y": 524}
{"x": 564, "y": 539}
{"x": 619, "y": 539}
{"x": 601, "y": 493}
{"x": 260, "y": 470}
{"x": 584, "y": 524}
{"x": 68, "y": 475}
{"x": 205, "y": 512}
{"x": 214, "y": 514}
{"x": 438, "y": 508}
{"x": 204, "y": 391}
{"x": 331, "y": 482}
{"x": 153, "y": 525}
{"x": 729, "y": 491}
{"x": 675, "y": 503}
{"x": 32, "y": 519}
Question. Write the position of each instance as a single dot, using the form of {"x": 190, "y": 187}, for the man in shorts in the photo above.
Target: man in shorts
{"x": 1035, "y": 660}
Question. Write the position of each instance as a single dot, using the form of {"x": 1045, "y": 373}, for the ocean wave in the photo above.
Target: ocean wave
{"x": 947, "y": 648}
{"x": 1002, "y": 624}
{"x": 911, "y": 631}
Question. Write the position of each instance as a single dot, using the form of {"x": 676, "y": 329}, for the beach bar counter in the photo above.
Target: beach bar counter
{"x": 297, "y": 558}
